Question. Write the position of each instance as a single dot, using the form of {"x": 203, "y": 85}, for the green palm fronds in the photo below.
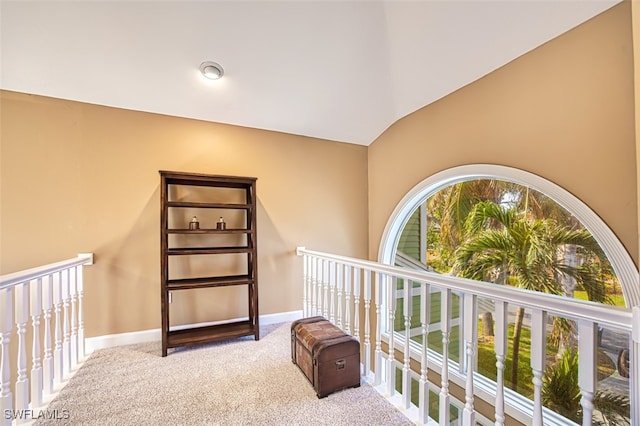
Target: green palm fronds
{"x": 561, "y": 393}
{"x": 560, "y": 390}
{"x": 614, "y": 409}
{"x": 500, "y": 243}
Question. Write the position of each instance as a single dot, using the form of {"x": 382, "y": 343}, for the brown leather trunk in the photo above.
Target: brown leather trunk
{"x": 329, "y": 358}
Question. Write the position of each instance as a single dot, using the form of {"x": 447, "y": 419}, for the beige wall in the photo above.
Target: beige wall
{"x": 563, "y": 111}
{"x": 84, "y": 178}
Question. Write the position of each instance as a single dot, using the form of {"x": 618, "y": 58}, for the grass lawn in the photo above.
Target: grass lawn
{"x": 618, "y": 299}
{"x": 486, "y": 359}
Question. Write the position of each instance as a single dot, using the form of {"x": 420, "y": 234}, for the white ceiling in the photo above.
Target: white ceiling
{"x": 337, "y": 70}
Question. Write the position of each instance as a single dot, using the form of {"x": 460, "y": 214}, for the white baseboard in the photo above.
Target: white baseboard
{"x": 154, "y": 335}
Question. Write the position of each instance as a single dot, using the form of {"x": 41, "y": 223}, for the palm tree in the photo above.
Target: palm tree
{"x": 503, "y": 245}
{"x": 447, "y": 212}
{"x": 561, "y": 393}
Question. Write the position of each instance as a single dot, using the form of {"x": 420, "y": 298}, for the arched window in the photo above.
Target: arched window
{"x": 405, "y": 214}
{"x": 401, "y": 248}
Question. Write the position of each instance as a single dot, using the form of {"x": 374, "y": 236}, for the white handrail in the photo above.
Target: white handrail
{"x": 14, "y": 278}
{"x": 588, "y": 315}
{"x": 36, "y": 294}
{"x": 609, "y": 316}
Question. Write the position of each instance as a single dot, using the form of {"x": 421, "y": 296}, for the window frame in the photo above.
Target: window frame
{"x": 621, "y": 262}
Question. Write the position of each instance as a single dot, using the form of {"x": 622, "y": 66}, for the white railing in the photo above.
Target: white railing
{"x": 347, "y": 290}
{"x": 51, "y": 296}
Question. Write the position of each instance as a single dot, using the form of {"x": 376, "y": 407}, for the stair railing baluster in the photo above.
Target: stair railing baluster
{"x": 445, "y": 327}
{"x": 21, "y": 317}
{"x": 58, "y": 362}
{"x": 348, "y": 278}
{"x": 339, "y": 285}
{"x": 378, "y": 323}
{"x": 332, "y": 291}
{"x": 500, "y": 346}
{"x": 357, "y": 275}
{"x": 73, "y": 293}
{"x": 470, "y": 339}
{"x": 406, "y": 367}
{"x": 391, "y": 285}
{"x": 587, "y": 367}
{"x": 538, "y": 358}
{"x": 425, "y": 311}
{"x": 315, "y": 296}
{"x": 35, "y": 299}
{"x": 6, "y": 327}
{"x": 47, "y": 307}
{"x": 305, "y": 287}
{"x": 66, "y": 330}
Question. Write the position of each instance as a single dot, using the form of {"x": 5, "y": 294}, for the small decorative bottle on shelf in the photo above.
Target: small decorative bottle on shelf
{"x": 194, "y": 224}
{"x": 221, "y": 225}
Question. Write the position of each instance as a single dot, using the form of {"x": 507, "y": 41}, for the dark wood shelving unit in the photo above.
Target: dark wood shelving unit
{"x": 207, "y": 205}
{"x": 209, "y": 231}
{"x": 200, "y": 335}
{"x": 187, "y": 283}
{"x": 207, "y": 250}
{"x": 175, "y": 208}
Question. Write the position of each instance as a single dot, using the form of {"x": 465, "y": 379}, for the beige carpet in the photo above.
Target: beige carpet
{"x": 239, "y": 382}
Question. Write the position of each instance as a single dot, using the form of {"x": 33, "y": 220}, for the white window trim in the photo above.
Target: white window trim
{"x": 622, "y": 264}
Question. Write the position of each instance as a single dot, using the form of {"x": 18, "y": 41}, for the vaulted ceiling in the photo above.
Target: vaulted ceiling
{"x": 337, "y": 70}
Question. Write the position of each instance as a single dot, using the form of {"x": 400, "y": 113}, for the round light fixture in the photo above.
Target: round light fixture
{"x": 211, "y": 70}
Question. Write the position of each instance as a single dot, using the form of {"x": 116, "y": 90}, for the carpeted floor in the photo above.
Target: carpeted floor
{"x": 239, "y": 382}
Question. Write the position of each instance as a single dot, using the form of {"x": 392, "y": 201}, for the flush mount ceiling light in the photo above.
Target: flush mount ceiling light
{"x": 211, "y": 70}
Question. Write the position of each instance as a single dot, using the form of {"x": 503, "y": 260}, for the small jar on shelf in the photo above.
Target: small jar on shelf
{"x": 194, "y": 224}
{"x": 221, "y": 225}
